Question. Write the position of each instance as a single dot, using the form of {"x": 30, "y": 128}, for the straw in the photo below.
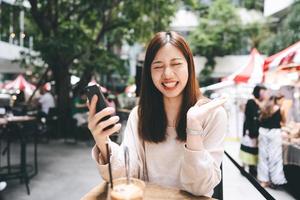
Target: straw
{"x": 109, "y": 165}
{"x": 127, "y": 166}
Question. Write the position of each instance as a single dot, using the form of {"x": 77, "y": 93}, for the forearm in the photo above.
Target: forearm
{"x": 200, "y": 172}
{"x": 117, "y": 162}
{"x": 194, "y": 142}
{"x": 103, "y": 152}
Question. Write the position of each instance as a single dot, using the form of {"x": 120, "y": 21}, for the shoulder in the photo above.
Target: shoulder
{"x": 251, "y": 102}
{"x": 47, "y": 95}
{"x": 133, "y": 113}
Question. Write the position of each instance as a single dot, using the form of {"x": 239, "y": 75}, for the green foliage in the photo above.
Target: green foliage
{"x": 287, "y": 32}
{"x": 218, "y": 34}
{"x": 9, "y": 17}
{"x": 256, "y": 33}
{"x": 91, "y": 31}
{"x": 253, "y": 4}
{"x": 84, "y": 37}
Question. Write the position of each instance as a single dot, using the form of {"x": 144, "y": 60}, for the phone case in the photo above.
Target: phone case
{"x": 101, "y": 103}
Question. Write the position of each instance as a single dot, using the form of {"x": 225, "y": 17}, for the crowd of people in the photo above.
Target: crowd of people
{"x": 261, "y": 146}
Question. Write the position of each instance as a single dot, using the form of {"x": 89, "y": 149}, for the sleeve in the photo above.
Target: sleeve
{"x": 117, "y": 152}
{"x": 200, "y": 170}
{"x": 41, "y": 99}
{"x": 251, "y": 122}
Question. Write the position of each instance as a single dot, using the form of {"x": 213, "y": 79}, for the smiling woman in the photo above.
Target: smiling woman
{"x": 175, "y": 135}
{"x": 168, "y": 75}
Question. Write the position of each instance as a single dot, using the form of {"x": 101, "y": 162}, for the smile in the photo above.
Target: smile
{"x": 170, "y": 85}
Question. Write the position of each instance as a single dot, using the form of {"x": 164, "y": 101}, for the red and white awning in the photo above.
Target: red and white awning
{"x": 286, "y": 59}
{"x": 20, "y": 84}
{"x": 251, "y": 73}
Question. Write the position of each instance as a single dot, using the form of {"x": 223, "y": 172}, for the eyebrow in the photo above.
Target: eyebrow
{"x": 156, "y": 62}
{"x": 173, "y": 59}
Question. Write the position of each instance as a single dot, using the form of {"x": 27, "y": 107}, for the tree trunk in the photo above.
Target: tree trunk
{"x": 62, "y": 87}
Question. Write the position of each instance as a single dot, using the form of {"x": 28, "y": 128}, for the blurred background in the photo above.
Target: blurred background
{"x": 51, "y": 50}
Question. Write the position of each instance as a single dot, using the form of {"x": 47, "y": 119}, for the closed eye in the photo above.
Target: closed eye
{"x": 177, "y": 64}
{"x": 157, "y": 67}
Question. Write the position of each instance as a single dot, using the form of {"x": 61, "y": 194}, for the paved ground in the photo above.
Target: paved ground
{"x": 68, "y": 172}
{"x": 237, "y": 186}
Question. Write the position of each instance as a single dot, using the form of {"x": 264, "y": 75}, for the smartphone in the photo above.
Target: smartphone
{"x": 90, "y": 91}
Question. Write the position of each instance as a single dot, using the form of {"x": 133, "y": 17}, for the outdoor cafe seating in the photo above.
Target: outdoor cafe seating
{"x": 17, "y": 133}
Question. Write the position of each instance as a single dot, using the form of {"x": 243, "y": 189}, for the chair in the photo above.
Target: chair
{"x": 52, "y": 122}
{"x": 218, "y": 190}
{"x": 23, "y": 132}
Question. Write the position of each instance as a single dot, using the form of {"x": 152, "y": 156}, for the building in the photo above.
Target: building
{"x": 12, "y": 37}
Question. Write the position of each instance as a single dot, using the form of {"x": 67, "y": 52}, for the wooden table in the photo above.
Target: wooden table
{"x": 152, "y": 192}
{"x": 22, "y": 170}
{"x": 15, "y": 119}
{"x": 24, "y": 118}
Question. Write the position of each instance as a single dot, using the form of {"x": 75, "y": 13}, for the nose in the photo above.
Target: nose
{"x": 168, "y": 72}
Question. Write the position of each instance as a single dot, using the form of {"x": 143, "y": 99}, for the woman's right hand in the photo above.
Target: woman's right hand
{"x": 96, "y": 127}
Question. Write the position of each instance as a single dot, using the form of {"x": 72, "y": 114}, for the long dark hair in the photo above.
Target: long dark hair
{"x": 268, "y": 108}
{"x": 152, "y": 117}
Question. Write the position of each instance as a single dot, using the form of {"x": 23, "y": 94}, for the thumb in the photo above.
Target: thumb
{"x": 215, "y": 103}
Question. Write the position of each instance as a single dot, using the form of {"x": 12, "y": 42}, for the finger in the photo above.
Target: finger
{"x": 111, "y": 121}
{"x": 202, "y": 101}
{"x": 103, "y": 113}
{"x": 92, "y": 107}
{"x": 215, "y": 103}
{"x": 112, "y": 130}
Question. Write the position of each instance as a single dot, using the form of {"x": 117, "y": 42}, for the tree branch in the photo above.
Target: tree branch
{"x": 105, "y": 22}
{"x": 41, "y": 82}
{"x": 56, "y": 14}
{"x": 70, "y": 13}
{"x": 38, "y": 17}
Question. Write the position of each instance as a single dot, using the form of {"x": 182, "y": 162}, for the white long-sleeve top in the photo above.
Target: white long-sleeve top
{"x": 170, "y": 163}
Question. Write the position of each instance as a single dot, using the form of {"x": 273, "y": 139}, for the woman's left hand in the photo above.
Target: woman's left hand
{"x": 197, "y": 113}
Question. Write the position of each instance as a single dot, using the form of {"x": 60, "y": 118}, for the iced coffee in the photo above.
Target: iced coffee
{"x": 124, "y": 191}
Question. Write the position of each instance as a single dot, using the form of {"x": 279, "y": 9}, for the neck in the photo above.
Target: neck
{"x": 172, "y": 108}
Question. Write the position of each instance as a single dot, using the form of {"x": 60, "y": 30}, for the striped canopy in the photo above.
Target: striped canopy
{"x": 287, "y": 59}
{"x": 20, "y": 84}
{"x": 252, "y": 72}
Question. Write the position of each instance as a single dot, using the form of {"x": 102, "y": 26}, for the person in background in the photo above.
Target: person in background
{"x": 249, "y": 147}
{"x": 175, "y": 135}
{"x": 270, "y": 164}
{"x": 20, "y": 98}
{"x": 80, "y": 109}
{"x": 111, "y": 101}
{"x": 46, "y": 101}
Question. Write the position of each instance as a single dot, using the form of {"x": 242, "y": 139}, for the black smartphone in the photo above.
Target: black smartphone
{"x": 90, "y": 91}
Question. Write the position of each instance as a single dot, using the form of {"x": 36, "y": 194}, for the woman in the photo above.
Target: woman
{"x": 175, "y": 136}
{"x": 249, "y": 148}
{"x": 270, "y": 165}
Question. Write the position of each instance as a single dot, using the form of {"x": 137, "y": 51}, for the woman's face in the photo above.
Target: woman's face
{"x": 263, "y": 95}
{"x": 169, "y": 71}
